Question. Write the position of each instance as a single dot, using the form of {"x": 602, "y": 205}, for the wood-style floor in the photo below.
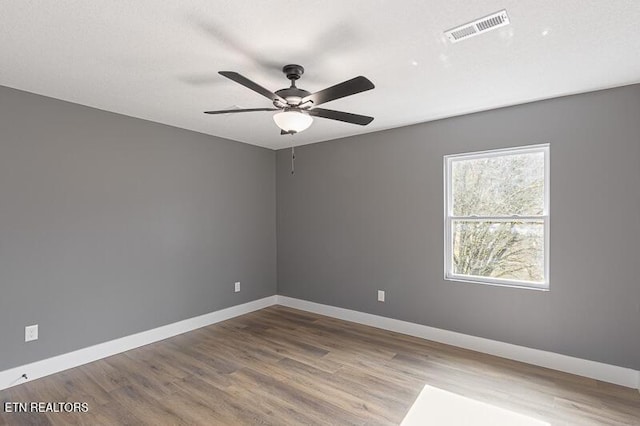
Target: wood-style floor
{"x": 282, "y": 366}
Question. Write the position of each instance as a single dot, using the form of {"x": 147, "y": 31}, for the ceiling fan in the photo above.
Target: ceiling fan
{"x": 298, "y": 106}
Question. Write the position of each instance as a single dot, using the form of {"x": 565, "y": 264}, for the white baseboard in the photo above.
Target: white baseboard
{"x": 582, "y": 367}
{"x": 35, "y": 370}
{"x": 592, "y": 369}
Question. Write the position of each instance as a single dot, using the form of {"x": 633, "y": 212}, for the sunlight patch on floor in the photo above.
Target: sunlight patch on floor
{"x": 438, "y": 407}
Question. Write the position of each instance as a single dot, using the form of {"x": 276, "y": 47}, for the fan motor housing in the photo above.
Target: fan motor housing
{"x": 292, "y": 95}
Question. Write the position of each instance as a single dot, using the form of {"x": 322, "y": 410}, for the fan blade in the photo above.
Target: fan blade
{"x": 227, "y": 111}
{"x": 346, "y": 88}
{"x": 347, "y": 117}
{"x": 251, "y": 85}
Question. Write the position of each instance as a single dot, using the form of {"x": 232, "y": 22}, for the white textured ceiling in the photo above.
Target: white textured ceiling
{"x": 158, "y": 60}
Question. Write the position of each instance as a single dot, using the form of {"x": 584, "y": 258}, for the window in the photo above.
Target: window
{"x": 497, "y": 217}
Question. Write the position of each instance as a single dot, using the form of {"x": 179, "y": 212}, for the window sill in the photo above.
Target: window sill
{"x": 496, "y": 283}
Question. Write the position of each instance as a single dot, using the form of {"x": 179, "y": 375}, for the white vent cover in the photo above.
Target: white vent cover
{"x": 479, "y": 26}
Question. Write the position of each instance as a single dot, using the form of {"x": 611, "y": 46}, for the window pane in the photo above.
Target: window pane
{"x": 499, "y": 186}
{"x": 507, "y": 250}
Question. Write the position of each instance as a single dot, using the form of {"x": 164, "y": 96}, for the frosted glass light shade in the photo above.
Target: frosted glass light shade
{"x": 293, "y": 121}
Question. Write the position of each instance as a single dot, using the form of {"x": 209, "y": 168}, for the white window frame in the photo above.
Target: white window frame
{"x": 449, "y": 218}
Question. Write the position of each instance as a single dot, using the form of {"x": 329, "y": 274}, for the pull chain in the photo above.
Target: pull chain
{"x": 293, "y": 160}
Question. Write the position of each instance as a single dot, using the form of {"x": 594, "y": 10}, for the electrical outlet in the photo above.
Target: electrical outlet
{"x": 237, "y": 287}
{"x": 31, "y": 333}
{"x": 380, "y": 295}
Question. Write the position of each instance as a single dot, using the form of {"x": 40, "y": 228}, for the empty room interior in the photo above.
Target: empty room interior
{"x": 320, "y": 212}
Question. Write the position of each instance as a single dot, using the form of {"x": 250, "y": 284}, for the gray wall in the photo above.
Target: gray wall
{"x": 366, "y": 213}
{"x": 111, "y": 225}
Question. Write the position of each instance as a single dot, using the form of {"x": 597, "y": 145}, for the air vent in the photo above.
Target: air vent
{"x": 479, "y": 26}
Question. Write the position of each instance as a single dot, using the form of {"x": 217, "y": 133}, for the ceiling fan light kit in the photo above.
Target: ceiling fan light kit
{"x": 297, "y": 106}
{"x": 292, "y": 121}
